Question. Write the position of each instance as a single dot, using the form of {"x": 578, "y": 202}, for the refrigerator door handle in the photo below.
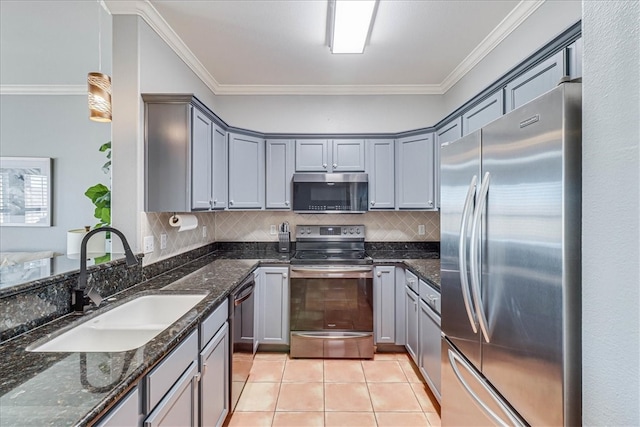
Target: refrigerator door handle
{"x": 473, "y": 255}
{"x": 462, "y": 253}
{"x": 456, "y": 360}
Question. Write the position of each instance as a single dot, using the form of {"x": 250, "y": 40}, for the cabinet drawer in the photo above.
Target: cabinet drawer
{"x": 211, "y": 324}
{"x": 411, "y": 280}
{"x": 430, "y": 296}
{"x": 163, "y": 376}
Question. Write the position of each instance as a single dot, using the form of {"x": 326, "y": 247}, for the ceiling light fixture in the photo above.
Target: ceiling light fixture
{"x": 350, "y": 24}
{"x": 99, "y": 85}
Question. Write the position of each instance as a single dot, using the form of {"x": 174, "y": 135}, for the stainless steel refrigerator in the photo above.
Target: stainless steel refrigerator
{"x": 510, "y": 261}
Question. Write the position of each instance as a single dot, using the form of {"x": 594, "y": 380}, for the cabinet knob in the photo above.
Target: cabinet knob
{"x": 215, "y": 201}
{"x": 324, "y": 165}
{"x": 379, "y": 274}
{"x": 373, "y": 203}
{"x": 231, "y": 202}
{"x": 430, "y": 202}
{"x": 284, "y": 276}
{"x": 286, "y": 203}
{"x": 335, "y": 165}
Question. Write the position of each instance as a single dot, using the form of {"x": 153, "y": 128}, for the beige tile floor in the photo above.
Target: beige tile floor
{"x": 385, "y": 391}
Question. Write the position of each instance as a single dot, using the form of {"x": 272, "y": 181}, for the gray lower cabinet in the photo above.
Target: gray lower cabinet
{"x": 430, "y": 338}
{"x": 486, "y": 111}
{"x": 415, "y": 172}
{"x": 246, "y": 172}
{"x": 185, "y": 169}
{"x": 280, "y": 166}
{"x": 381, "y": 171}
{"x": 272, "y": 307}
{"x": 126, "y": 413}
{"x": 411, "y": 323}
{"x": 330, "y": 155}
{"x": 535, "y": 81}
{"x": 214, "y": 383}
{"x": 400, "y": 306}
{"x": 384, "y": 310}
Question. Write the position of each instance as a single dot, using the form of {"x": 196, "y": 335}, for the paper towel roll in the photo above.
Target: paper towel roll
{"x": 184, "y": 222}
{"x": 95, "y": 245}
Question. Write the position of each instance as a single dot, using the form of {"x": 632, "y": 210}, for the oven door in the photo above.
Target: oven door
{"x": 331, "y": 311}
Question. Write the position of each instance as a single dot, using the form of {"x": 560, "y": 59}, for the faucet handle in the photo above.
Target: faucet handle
{"x": 94, "y": 296}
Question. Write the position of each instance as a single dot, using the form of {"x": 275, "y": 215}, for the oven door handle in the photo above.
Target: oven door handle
{"x": 331, "y": 272}
{"x": 330, "y": 336}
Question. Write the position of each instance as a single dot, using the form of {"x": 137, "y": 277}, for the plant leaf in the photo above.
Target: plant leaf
{"x": 106, "y": 146}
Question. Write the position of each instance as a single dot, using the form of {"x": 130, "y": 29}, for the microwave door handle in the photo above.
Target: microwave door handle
{"x": 462, "y": 253}
{"x": 473, "y": 255}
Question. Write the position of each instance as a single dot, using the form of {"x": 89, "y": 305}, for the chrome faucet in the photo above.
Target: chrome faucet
{"x": 81, "y": 298}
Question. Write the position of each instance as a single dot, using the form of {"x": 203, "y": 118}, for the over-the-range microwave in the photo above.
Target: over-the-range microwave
{"x": 330, "y": 192}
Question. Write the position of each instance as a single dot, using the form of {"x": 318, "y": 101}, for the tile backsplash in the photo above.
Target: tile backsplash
{"x": 255, "y": 226}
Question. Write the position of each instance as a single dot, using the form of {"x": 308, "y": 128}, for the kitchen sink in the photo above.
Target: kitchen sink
{"x": 125, "y": 327}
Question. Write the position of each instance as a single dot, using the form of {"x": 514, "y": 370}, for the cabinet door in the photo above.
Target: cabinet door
{"x": 201, "y": 160}
{"x": 534, "y": 82}
{"x": 347, "y": 155}
{"x": 125, "y": 413}
{"x": 246, "y": 172}
{"x": 220, "y": 163}
{"x": 273, "y": 305}
{"x": 429, "y": 354}
{"x": 179, "y": 407}
{"x": 279, "y": 172}
{"x": 411, "y": 323}
{"x": 400, "y": 306}
{"x": 448, "y": 132}
{"x": 575, "y": 59}
{"x": 414, "y": 172}
{"x": 214, "y": 383}
{"x": 312, "y": 155}
{"x": 381, "y": 171}
{"x": 486, "y": 111}
{"x": 384, "y": 311}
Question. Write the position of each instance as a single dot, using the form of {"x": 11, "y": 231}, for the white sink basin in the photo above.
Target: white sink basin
{"x": 125, "y": 327}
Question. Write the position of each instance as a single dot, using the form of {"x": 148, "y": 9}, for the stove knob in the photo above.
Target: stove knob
{"x": 302, "y": 231}
{"x": 357, "y": 231}
{"x": 351, "y": 230}
{"x": 344, "y": 230}
{"x": 308, "y": 230}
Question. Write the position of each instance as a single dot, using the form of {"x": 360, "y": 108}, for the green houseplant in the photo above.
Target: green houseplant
{"x": 100, "y": 194}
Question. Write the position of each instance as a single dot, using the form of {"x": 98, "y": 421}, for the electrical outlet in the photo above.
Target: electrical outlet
{"x": 204, "y": 231}
{"x": 273, "y": 230}
{"x": 148, "y": 244}
{"x": 421, "y": 230}
{"x": 163, "y": 241}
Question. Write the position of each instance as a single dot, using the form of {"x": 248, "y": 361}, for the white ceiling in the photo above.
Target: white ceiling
{"x": 280, "y": 47}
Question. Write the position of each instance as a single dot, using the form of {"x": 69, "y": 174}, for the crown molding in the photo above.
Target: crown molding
{"x": 151, "y": 16}
{"x": 43, "y": 90}
{"x": 512, "y": 21}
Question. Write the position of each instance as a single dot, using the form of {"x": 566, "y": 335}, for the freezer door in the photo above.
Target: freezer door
{"x": 467, "y": 399}
{"x": 459, "y": 179}
{"x": 531, "y": 265}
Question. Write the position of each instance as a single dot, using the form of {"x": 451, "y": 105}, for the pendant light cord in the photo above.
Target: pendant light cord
{"x": 99, "y": 39}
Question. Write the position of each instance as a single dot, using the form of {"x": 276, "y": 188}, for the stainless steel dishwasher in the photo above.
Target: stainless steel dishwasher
{"x": 243, "y": 343}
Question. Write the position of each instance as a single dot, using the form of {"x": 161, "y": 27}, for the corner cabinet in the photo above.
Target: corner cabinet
{"x": 381, "y": 171}
{"x": 246, "y": 172}
{"x": 415, "y": 172}
{"x": 272, "y": 308}
{"x": 384, "y": 310}
{"x": 330, "y": 155}
{"x": 280, "y": 165}
{"x": 185, "y": 156}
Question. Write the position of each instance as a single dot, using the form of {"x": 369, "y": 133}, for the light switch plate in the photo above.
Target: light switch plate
{"x": 204, "y": 231}
{"x": 273, "y": 230}
{"x": 148, "y": 244}
{"x": 163, "y": 241}
{"x": 421, "y": 230}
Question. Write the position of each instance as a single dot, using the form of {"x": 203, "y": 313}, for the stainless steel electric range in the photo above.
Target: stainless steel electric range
{"x": 331, "y": 309}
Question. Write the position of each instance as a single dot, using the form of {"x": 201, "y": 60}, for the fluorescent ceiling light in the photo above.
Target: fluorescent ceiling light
{"x": 351, "y": 25}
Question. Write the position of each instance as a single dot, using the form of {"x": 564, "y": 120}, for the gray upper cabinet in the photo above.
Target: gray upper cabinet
{"x": 280, "y": 164}
{"x": 381, "y": 171}
{"x": 415, "y": 172}
{"x": 450, "y": 131}
{"x": 486, "y": 111}
{"x": 246, "y": 172}
{"x": 184, "y": 168}
{"x": 535, "y": 81}
{"x": 330, "y": 155}
{"x": 219, "y": 175}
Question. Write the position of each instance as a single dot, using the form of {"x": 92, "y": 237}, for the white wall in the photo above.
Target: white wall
{"x": 611, "y": 213}
{"x": 547, "y": 22}
{"x": 331, "y": 113}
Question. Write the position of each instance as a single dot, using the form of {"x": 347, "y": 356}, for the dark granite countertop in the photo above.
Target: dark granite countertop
{"x": 75, "y": 388}
{"x": 424, "y": 264}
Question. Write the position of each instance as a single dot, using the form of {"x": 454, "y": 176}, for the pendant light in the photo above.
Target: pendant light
{"x": 99, "y": 85}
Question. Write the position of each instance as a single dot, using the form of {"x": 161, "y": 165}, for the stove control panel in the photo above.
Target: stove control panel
{"x": 330, "y": 232}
